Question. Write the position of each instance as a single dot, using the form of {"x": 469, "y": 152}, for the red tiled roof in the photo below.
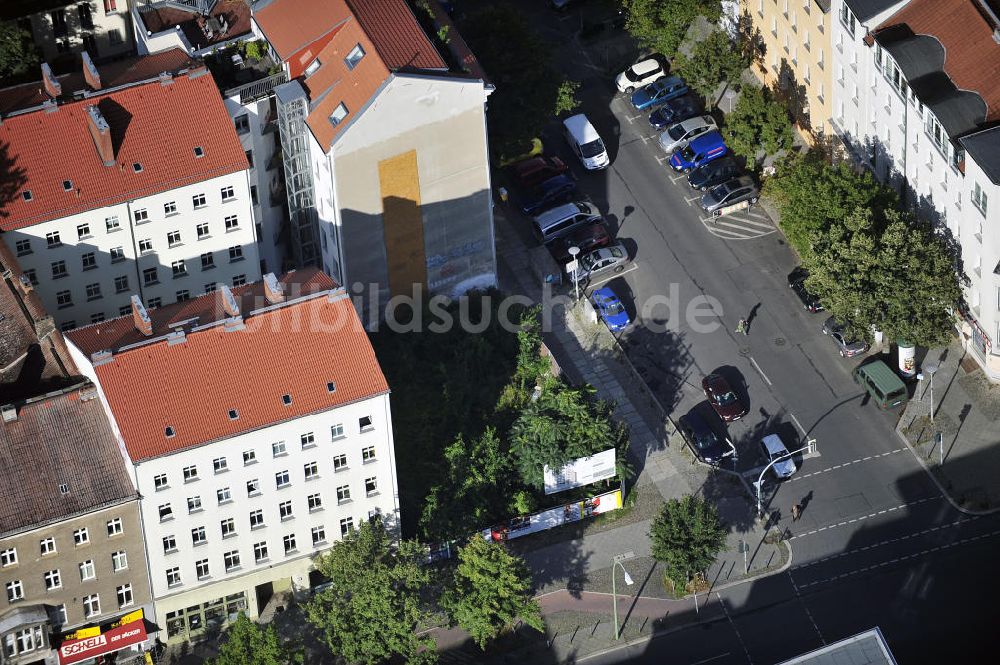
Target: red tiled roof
{"x": 291, "y": 25}
{"x": 152, "y": 124}
{"x": 295, "y": 349}
{"x": 61, "y": 439}
{"x": 116, "y": 333}
{"x": 972, "y": 58}
{"x": 396, "y": 34}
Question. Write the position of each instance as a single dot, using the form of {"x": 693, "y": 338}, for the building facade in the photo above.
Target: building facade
{"x": 249, "y": 468}
{"x": 60, "y": 30}
{"x": 120, "y": 192}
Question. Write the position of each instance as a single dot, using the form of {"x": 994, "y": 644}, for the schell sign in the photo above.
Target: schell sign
{"x": 73, "y": 651}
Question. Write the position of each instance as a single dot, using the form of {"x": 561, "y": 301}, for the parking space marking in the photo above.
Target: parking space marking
{"x": 691, "y": 199}
{"x": 905, "y": 557}
{"x": 798, "y": 424}
{"x": 804, "y": 607}
{"x": 865, "y": 517}
{"x": 841, "y": 466}
{"x": 663, "y": 159}
{"x": 760, "y": 371}
{"x": 630, "y": 268}
{"x": 673, "y": 178}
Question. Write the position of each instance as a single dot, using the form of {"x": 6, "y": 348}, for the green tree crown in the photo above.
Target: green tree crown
{"x": 687, "y": 536}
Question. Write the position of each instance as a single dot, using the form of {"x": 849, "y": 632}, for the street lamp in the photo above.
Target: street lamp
{"x": 572, "y": 267}
{"x": 616, "y": 561}
{"x": 760, "y": 478}
{"x": 931, "y": 368}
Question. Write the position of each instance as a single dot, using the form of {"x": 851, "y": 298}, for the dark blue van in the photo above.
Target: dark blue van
{"x": 702, "y": 150}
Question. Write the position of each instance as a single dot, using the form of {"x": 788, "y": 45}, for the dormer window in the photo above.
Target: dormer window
{"x": 338, "y": 114}
{"x": 313, "y": 66}
{"x": 199, "y": 151}
{"x": 354, "y": 57}
{"x": 233, "y": 414}
{"x": 67, "y": 185}
{"x": 137, "y": 167}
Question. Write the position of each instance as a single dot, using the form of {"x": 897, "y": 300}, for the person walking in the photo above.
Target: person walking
{"x": 796, "y": 513}
{"x": 742, "y": 328}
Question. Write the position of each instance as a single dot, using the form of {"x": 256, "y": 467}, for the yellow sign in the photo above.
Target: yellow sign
{"x": 84, "y": 633}
{"x": 129, "y": 618}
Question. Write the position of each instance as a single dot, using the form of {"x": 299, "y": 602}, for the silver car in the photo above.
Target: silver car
{"x": 847, "y": 346}
{"x": 610, "y": 259}
{"x": 730, "y": 193}
{"x": 679, "y": 134}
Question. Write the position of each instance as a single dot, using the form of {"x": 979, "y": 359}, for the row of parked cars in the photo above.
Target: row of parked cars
{"x": 847, "y": 345}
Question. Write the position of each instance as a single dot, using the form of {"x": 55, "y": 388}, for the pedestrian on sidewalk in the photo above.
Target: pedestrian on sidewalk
{"x": 742, "y": 328}
{"x": 504, "y": 196}
{"x": 796, "y": 513}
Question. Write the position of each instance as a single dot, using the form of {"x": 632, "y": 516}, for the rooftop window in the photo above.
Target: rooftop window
{"x": 67, "y": 185}
{"x": 233, "y": 414}
{"x": 354, "y": 57}
{"x": 26, "y": 195}
{"x": 199, "y": 151}
{"x": 338, "y": 114}
{"x": 137, "y": 167}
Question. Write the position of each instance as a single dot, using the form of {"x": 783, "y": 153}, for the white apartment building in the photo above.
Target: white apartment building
{"x": 915, "y": 82}
{"x": 143, "y": 188}
{"x": 276, "y": 447}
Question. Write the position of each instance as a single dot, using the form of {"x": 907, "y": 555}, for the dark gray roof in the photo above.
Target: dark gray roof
{"x": 984, "y": 148}
{"x": 867, "y": 648}
{"x": 823, "y": 5}
{"x": 916, "y": 55}
{"x": 865, "y": 9}
{"x": 59, "y": 439}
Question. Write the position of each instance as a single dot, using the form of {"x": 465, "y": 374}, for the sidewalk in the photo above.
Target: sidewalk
{"x": 967, "y": 414}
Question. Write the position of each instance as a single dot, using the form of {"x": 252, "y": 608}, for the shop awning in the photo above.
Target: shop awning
{"x": 74, "y": 651}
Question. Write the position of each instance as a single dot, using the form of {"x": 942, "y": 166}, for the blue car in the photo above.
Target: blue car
{"x": 702, "y": 150}
{"x": 673, "y": 111}
{"x": 658, "y": 92}
{"x": 610, "y": 308}
{"x": 549, "y": 193}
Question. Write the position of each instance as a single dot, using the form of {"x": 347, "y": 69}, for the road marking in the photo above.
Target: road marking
{"x": 864, "y": 517}
{"x": 760, "y": 371}
{"x": 905, "y": 557}
{"x": 663, "y": 159}
{"x": 673, "y": 178}
{"x": 735, "y": 629}
{"x": 888, "y": 541}
{"x": 632, "y": 266}
{"x": 691, "y": 199}
{"x": 709, "y": 660}
{"x": 798, "y": 424}
{"x": 808, "y": 613}
{"x": 840, "y": 466}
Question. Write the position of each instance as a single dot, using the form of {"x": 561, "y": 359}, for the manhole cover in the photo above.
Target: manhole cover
{"x": 744, "y": 351}
{"x": 779, "y": 341}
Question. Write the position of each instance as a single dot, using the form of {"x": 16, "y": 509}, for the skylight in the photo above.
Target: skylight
{"x": 286, "y": 399}
{"x": 331, "y": 386}
{"x": 233, "y": 414}
{"x": 67, "y": 185}
{"x": 137, "y": 167}
{"x": 169, "y": 431}
{"x": 26, "y": 195}
{"x": 199, "y": 151}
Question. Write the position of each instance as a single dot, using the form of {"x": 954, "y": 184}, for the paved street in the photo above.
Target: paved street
{"x": 877, "y": 543}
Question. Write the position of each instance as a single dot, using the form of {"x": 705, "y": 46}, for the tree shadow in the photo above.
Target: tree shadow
{"x": 13, "y": 178}
{"x": 793, "y": 95}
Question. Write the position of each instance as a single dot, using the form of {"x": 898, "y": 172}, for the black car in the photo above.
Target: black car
{"x": 676, "y": 110}
{"x": 551, "y": 192}
{"x": 714, "y": 173}
{"x": 797, "y": 283}
{"x": 705, "y": 442}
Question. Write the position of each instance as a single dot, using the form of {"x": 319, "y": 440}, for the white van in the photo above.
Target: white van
{"x": 559, "y": 221}
{"x": 586, "y": 142}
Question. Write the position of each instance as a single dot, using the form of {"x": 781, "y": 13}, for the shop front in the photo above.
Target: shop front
{"x": 121, "y": 642}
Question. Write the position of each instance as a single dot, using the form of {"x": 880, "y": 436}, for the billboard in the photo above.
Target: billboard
{"x": 553, "y": 517}
{"x": 580, "y": 472}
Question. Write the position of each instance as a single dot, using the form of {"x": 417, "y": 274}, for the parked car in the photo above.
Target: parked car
{"x": 550, "y": 193}
{"x": 723, "y": 398}
{"x": 603, "y": 261}
{"x": 797, "y": 283}
{"x": 562, "y": 220}
{"x": 679, "y": 134}
{"x": 587, "y": 238}
{"x": 714, "y": 173}
{"x": 610, "y": 309}
{"x": 704, "y": 442}
{"x": 702, "y": 150}
{"x": 730, "y": 193}
{"x": 774, "y": 448}
{"x": 846, "y": 343}
{"x": 681, "y": 108}
{"x": 535, "y": 170}
{"x": 585, "y": 142}
{"x": 658, "y": 92}
{"x": 643, "y": 72}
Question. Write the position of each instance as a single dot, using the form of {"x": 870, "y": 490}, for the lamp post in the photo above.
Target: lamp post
{"x": 572, "y": 267}
{"x": 760, "y": 478}
{"x": 931, "y": 368}
{"x": 616, "y": 561}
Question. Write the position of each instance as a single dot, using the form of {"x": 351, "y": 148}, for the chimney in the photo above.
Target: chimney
{"x": 52, "y": 86}
{"x": 272, "y": 289}
{"x": 229, "y": 304}
{"x": 90, "y": 73}
{"x": 9, "y": 412}
{"x": 101, "y": 133}
{"x": 140, "y": 317}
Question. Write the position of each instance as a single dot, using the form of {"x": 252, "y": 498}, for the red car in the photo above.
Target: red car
{"x": 590, "y": 237}
{"x": 723, "y": 398}
{"x": 536, "y": 170}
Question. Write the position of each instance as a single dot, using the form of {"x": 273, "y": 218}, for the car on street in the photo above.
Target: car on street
{"x": 847, "y": 344}
{"x": 641, "y": 73}
{"x": 704, "y": 442}
{"x": 585, "y": 142}
{"x": 610, "y": 309}
{"x": 658, "y": 92}
{"x": 679, "y": 134}
{"x": 548, "y": 194}
{"x": 723, "y": 398}
{"x": 680, "y": 108}
{"x": 702, "y": 150}
{"x": 606, "y": 260}
{"x": 730, "y": 193}
{"x": 714, "y": 173}
{"x": 797, "y": 283}
{"x": 530, "y": 172}
{"x": 564, "y": 219}
{"x": 587, "y": 238}
{"x": 774, "y": 449}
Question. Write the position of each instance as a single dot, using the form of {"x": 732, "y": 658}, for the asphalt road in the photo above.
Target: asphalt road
{"x": 877, "y": 543}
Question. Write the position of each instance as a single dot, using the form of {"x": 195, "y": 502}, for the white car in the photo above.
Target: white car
{"x": 639, "y": 74}
{"x": 679, "y": 134}
{"x": 774, "y": 448}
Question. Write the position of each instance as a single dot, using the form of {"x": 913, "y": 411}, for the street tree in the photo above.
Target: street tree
{"x": 246, "y": 641}
{"x": 17, "y": 57}
{"x": 757, "y": 123}
{"x": 890, "y": 272}
{"x": 662, "y": 24}
{"x": 687, "y": 536}
{"x": 371, "y": 610}
{"x": 811, "y": 194}
{"x": 490, "y": 590}
{"x": 713, "y": 61}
